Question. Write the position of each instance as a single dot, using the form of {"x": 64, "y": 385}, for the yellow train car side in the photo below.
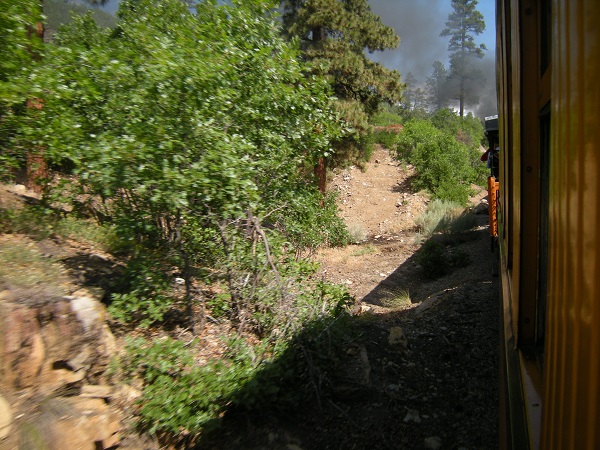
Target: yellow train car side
{"x": 548, "y": 72}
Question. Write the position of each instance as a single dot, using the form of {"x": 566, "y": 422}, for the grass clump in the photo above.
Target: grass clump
{"x": 364, "y": 250}
{"x": 357, "y": 233}
{"x": 443, "y": 216}
{"x": 398, "y": 299}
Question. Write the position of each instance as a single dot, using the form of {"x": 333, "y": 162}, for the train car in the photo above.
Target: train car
{"x": 548, "y": 84}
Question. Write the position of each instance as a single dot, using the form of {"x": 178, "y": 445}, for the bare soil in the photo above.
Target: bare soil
{"x": 423, "y": 373}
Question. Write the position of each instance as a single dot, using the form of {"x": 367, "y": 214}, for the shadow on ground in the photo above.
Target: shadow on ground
{"x": 388, "y": 378}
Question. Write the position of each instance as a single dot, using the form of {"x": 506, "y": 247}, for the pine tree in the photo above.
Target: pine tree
{"x": 414, "y": 102}
{"x": 334, "y": 35}
{"x": 463, "y": 23}
{"x": 437, "y": 87}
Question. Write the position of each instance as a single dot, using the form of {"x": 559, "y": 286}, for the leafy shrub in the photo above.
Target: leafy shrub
{"x": 437, "y": 260}
{"x": 384, "y": 118}
{"x": 433, "y": 259}
{"x": 183, "y": 399}
{"x": 18, "y": 46}
{"x": 459, "y": 258}
{"x": 387, "y": 139}
{"x": 444, "y": 166}
{"x": 186, "y": 126}
{"x": 308, "y": 224}
{"x": 146, "y": 298}
{"x": 179, "y": 397}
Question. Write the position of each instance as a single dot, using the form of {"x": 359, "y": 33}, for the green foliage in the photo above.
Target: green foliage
{"x": 436, "y": 260}
{"x": 335, "y": 35}
{"x": 444, "y": 166}
{"x": 308, "y": 224}
{"x": 390, "y": 125}
{"x": 145, "y": 298}
{"x": 185, "y": 125}
{"x": 433, "y": 259}
{"x": 183, "y": 399}
{"x": 178, "y": 397}
{"x": 19, "y": 47}
{"x": 384, "y": 118}
{"x": 387, "y": 139}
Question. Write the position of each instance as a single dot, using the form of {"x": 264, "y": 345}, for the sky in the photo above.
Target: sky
{"x": 419, "y": 24}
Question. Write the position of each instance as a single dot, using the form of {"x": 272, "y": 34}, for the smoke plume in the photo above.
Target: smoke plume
{"x": 419, "y": 24}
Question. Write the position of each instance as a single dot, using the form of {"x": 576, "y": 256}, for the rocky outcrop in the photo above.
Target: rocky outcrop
{"x": 54, "y": 352}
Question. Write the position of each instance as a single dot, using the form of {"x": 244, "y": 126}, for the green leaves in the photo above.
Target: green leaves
{"x": 181, "y": 113}
{"x": 444, "y": 165}
{"x": 335, "y": 35}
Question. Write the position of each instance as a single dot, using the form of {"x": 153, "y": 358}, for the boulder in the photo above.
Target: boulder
{"x": 53, "y": 343}
{"x": 53, "y": 355}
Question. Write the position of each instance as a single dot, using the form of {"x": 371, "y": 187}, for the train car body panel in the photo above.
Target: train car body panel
{"x": 548, "y": 72}
{"x": 572, "y": 369}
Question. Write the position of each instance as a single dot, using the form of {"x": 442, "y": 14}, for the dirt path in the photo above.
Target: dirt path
{"x": 376, "y": 204}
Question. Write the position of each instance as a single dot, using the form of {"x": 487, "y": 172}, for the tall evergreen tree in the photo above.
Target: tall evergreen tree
{"x": 437, "y": 87}
{"x": 334, "y": 35}
{"x": 462, "y": 24}
{"x": 413, "y": 103}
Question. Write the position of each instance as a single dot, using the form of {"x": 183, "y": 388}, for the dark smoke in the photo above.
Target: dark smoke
{"x": 419, "y": 24}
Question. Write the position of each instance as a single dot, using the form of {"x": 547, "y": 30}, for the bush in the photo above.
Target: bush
{"x": 387, "y": 139}
{"x": 433, "y": 259}
{"x": 385, "y": 118}
{"x": 444, "y": 166}
{"x": 182, "y": 399}
{"x": 437, "y": 260}
{"x": 146, "y": 299}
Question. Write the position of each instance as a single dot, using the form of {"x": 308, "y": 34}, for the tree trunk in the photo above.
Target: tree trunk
{"x": 37, "y": 169}
{"x": 321, "y": 174}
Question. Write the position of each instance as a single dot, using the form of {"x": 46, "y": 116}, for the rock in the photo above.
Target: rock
{"x": 72, "y": 423}
{"x": 353, "y": 382}
{"x": 433, "y": 443}
{"x": 49, "y": 344}
{"x": 364, "y": 308}
{"x": 96, "y": 391}
{"x": 397, "y": 337}
{"x": 6, "y": 418}
{"x": 98, "y": 257}
{"x": 412, "y": 415}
